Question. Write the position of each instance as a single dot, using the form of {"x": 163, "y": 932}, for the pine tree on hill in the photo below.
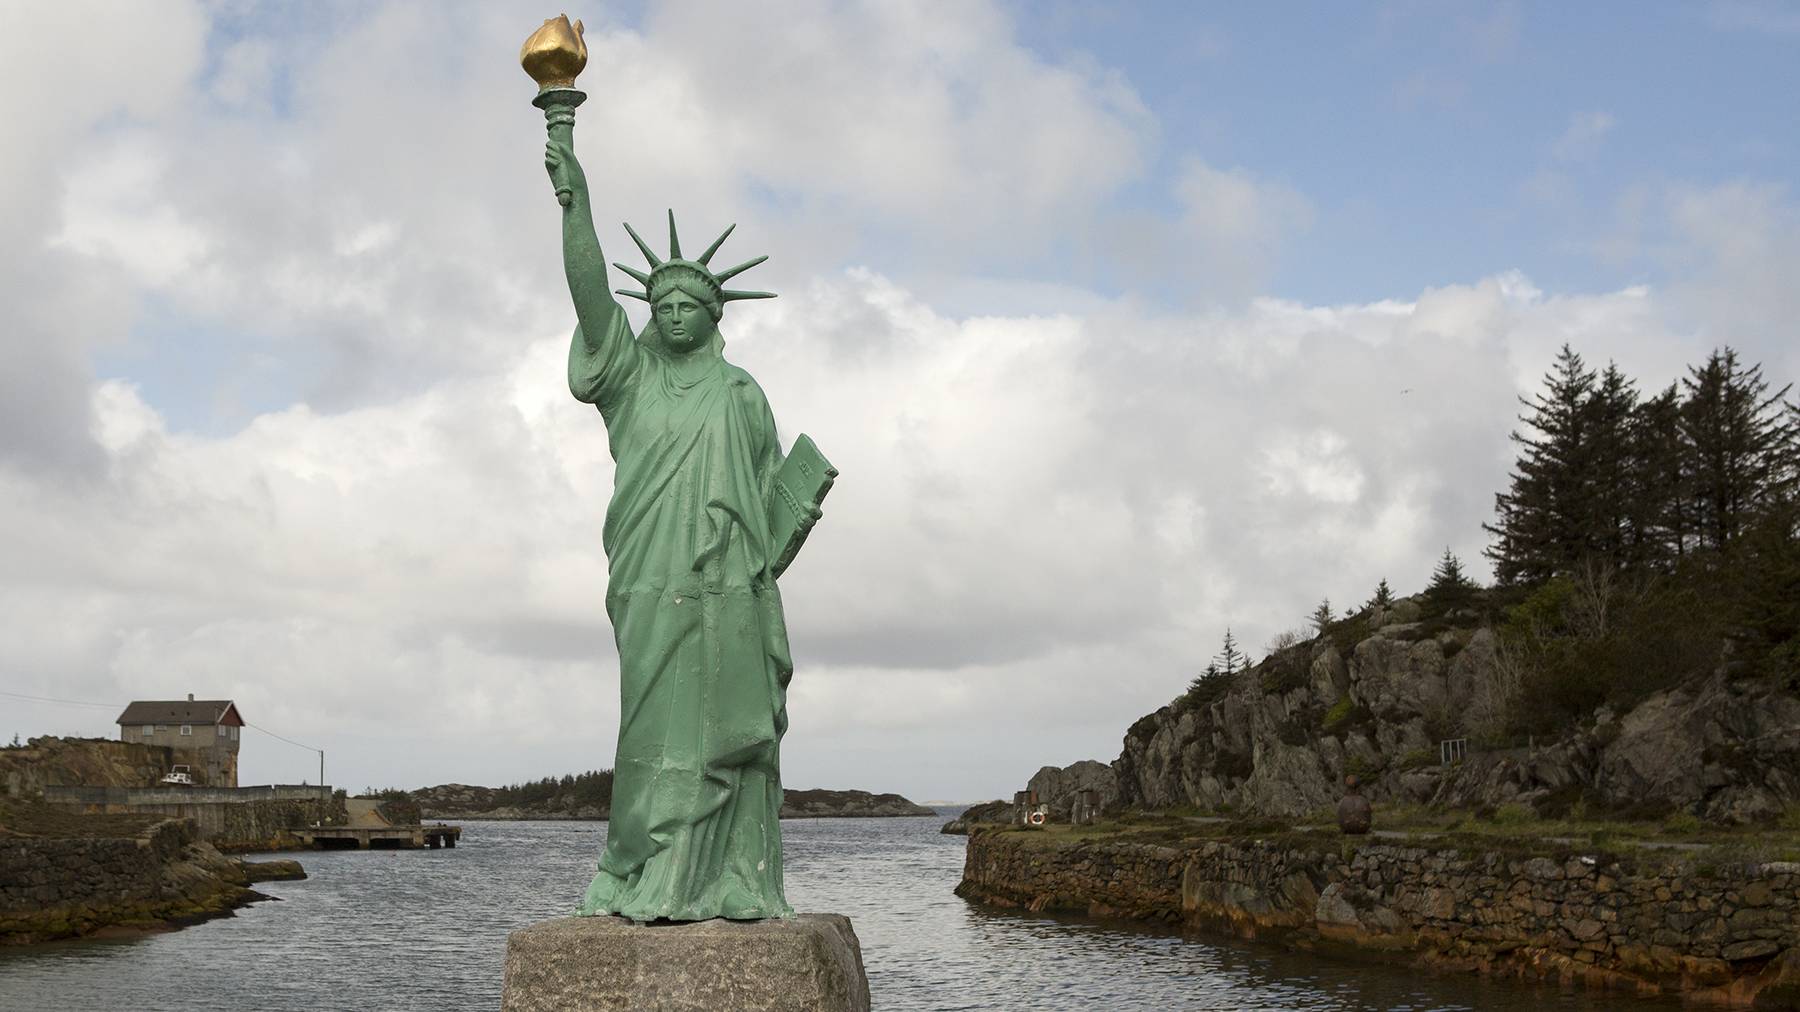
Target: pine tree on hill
{"x": 1449, "y": 585}
{"x": 1662, "y": 524}
{"x": 1321, "y": 616}
{"x": 1735, "y": 433}
{"x": 1608, "y": 489}
{"x": 1788, "y": 477}
{"x": 1449, "y": 572}
{"x": 1383, "y": 596}
{"x": 1538, "y": 527}
{"x": 1230, "y": 660}
{"x": 1211, "y": 671}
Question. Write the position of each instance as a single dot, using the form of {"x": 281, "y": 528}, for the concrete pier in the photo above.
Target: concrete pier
{"x": 388, "y": 837}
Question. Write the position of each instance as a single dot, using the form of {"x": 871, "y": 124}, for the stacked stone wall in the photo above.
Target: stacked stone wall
{"x": 1649, "y": 923}
{"x": 62, "y": 887}
{"x": 234, "y": 819}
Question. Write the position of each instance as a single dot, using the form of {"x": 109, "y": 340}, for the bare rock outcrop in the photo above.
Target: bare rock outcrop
{"x": 988, "y": 813}
{"x": 1278, "y": 739}
{"x": 49, "y": 761}
{"x": 1286, "y": 780}
{"x": 1398, "y": 679}
{"x": 1058, "y": 787}
{"x": 1730, "y": 753}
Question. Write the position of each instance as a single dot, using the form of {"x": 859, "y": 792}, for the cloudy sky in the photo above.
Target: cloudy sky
{"x": 1122, "y": 326}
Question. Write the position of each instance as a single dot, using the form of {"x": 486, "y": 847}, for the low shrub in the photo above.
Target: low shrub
{"x": 1339, "y": 712}
{"x": 1419, "y": 758}
{"x": 1237, "y": 765}
{"x": 1512, "y": 815}
{"x": 1361, "y": 768}
{"x": 1657, "y": 633}
{"x": 1346, "y": 715}
{"x": 1681, "y": 824}
{"x": 1347, "y": 634}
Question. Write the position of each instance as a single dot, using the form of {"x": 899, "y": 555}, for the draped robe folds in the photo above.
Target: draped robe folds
{"x": 703, "y": 653}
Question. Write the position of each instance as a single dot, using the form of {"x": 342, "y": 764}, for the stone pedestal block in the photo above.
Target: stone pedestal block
{"x": 811, "y": 962}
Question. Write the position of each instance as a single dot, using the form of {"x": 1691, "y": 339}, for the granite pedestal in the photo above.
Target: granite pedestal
{"x": 810, "y": 962}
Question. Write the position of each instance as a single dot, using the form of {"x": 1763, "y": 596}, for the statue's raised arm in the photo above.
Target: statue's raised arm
{"x": 583, "y": 261}
{"x": 603, "y": 352}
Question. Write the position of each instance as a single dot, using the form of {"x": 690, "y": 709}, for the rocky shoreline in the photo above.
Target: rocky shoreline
{"x": 1648, "y": 923}
{"x": 477, "y": 804}
{"x": 155, "y": 874}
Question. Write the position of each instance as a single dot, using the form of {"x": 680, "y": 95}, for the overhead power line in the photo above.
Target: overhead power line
{"x": 296, "y": 744}
{"x": 290, "y": 741}
{"x": 66, "y": 702}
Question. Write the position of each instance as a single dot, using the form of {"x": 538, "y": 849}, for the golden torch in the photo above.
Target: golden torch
{"x": 553, "y": 55}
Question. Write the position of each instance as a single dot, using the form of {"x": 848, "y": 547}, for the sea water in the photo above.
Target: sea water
{"x": 426, "y": 929}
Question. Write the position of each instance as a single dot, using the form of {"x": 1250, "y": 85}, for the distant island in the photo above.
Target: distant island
{"x": 589, "y": 796}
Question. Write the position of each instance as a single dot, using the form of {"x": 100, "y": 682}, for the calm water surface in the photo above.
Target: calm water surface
{"x": 427, "y": 929}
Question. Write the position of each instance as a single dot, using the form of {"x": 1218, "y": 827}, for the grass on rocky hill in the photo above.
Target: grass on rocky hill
{"x": 1511, "y": 829}
{"x": 1519, "y": 821}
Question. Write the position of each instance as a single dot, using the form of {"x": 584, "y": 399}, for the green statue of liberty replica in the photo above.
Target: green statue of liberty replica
{"x": 706, "y": 513}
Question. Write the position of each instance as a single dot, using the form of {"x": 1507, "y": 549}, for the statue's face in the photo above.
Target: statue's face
{"x": 683, "y": 320}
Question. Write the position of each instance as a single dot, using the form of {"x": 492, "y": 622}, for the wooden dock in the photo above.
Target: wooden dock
{"x": 380, "y": 837}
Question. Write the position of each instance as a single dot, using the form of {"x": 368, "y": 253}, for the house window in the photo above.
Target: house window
{"x": 234, "y": 732}
{"x": 149, "y": 729}
{"x": 187, "y": 730}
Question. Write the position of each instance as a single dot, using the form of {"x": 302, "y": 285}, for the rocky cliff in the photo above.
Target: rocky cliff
{"x": 25, "y": 770}
{"x": 1378, "y": 695}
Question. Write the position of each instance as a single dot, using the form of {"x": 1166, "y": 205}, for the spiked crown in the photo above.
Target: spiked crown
{"x": 664, "y": 272}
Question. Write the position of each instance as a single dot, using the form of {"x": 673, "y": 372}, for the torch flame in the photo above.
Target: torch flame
{"x": 555, "y": 53}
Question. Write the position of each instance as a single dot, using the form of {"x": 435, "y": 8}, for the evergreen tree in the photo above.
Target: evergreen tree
{"x": 1383, "y": 596}
{"x": 1230, "y": 660}
{"x": 1661, "y": 513}
{"x": 1735, "y": 433}
{"x": 1449, "y": 585}
{"x": 1788, "y": 457}
{"x": 1211, "y": 671}
{"x": 1538, "y": 527}
{"x": 1608, "y": 491}
{"x": 1321, "y": 616}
